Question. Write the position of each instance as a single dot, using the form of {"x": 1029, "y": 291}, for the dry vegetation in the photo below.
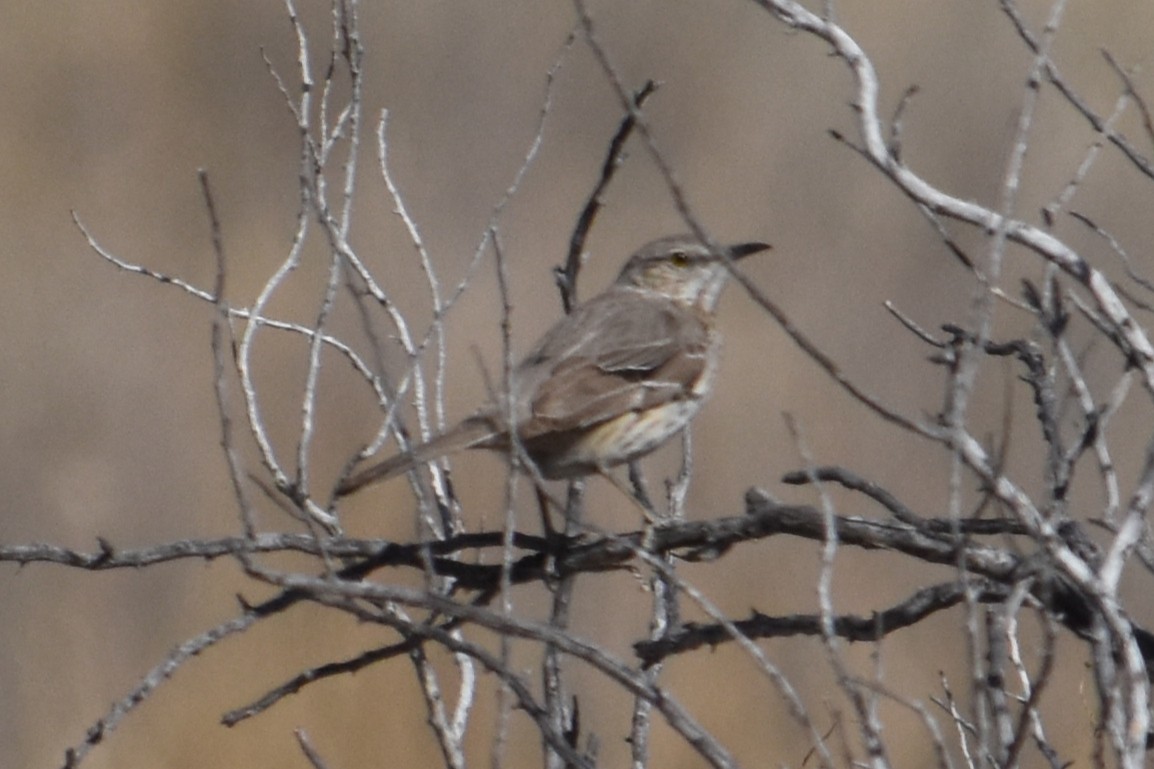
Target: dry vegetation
{"x": 941, "y": 558}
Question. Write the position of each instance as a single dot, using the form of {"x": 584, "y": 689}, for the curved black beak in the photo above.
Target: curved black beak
{"x": 742, "y": 250}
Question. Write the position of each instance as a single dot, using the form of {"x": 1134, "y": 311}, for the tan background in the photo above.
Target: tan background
{"x": 107, "y": 423}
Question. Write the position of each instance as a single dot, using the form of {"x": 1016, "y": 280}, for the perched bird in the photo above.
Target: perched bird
{"x": 610, "y": 382}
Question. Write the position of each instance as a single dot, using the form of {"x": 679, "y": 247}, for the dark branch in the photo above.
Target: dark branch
{"x": 917, "y": 607}
{"x": 567, "y": 276}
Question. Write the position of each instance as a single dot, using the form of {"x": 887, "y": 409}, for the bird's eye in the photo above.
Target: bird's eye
{"x": 679, "y": 259}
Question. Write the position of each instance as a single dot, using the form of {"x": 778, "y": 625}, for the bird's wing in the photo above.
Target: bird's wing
{"x": 611, "y": 357}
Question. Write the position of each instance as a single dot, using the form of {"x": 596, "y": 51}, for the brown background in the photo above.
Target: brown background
{"x": 107, "y": 422}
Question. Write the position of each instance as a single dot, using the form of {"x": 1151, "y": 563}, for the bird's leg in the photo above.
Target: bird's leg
{"x": 642, "y": 502}
{"x": 640, "y": 486}
{"x": 543, "y": 502}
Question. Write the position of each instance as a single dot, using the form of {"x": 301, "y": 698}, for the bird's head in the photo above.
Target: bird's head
{"x": 683, "y": 268}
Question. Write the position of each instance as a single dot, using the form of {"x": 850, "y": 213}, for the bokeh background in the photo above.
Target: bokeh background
{"x": 107, "y": 419}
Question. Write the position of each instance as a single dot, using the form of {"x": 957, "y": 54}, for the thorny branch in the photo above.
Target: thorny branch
{"x": 1041, "y": 559}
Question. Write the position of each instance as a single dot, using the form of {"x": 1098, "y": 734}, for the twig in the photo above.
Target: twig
{"x": 307, "y": 748}
{"x": 151, "y": 681}
{"x": 567, "y": 275}
{"x": 677, "y": 717}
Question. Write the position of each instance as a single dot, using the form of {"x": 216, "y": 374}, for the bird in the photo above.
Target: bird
{"x": 610, "y": 382}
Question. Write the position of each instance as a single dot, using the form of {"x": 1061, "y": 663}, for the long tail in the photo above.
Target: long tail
{"x": 474, "y": 431}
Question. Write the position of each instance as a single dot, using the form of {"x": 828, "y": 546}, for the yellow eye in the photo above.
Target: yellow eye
{"x": 679, "y": 259}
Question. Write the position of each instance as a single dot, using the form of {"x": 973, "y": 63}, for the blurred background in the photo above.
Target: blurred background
{"x": 107, "y": 419}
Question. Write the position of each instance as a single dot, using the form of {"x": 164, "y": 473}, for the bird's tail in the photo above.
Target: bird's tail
{"x": 472, "y": 432}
